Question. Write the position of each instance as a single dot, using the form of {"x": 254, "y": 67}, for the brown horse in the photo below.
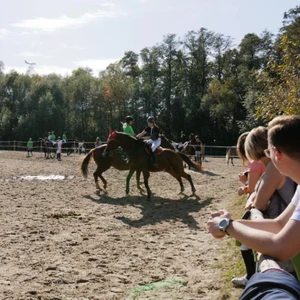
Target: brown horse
{"x": 105, "y": 161}
{"x": 139, "y": 160}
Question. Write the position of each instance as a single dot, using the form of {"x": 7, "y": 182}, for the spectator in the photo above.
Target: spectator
{"x": 254, "y": 171}
{"x": 277, "y": 237}
{"x": 59, "y": 146}
{"x": 97, "y": 142}
{"x": 197, "y": 147}
{"x": 81, "y": 147}
{"x": 29, "y": 147}
{"x": 182, "y": 137}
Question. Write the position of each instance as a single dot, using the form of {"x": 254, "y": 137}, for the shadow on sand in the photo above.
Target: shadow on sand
{"x": 157, "y": 210}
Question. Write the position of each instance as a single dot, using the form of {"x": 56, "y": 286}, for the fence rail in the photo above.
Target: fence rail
{"x": 37, "y": 146}
{"x": 209, "y": 150}
{"x": 266, "y": 262}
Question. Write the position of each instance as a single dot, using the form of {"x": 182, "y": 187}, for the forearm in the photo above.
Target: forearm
{"x": 258, "y": 235}
{"x": 140, "y": 134}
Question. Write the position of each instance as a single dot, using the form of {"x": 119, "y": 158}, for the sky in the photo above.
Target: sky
{"x": 62, "y": 35}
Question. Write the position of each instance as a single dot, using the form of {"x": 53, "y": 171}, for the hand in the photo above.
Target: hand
{"x": 243, "y": 178}
{"x": 249, "y": 204}
{"x": 213, "y": 227}
{"x": 221, "y": 213}
{"x": 241, "y": 191}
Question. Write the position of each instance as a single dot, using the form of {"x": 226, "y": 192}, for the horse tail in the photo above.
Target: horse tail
{"x": 85, "y": 163}
{"x": 185, "y": 158}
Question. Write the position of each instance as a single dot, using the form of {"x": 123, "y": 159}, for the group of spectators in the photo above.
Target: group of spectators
{"x": 270, "y": 184}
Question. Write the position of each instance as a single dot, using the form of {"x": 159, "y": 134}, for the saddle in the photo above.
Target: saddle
{"x": 159, "y": 150}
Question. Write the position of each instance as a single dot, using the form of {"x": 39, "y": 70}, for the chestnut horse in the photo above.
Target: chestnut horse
{"x": 105, "y": 160}
{"x": 139, "y": 160}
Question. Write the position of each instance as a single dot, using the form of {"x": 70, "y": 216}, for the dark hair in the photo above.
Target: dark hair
{"x": 240, "y": 146}
{"x": 128, "y": 119}
{"x": 150, "y": 120}
{"x": 284, "y": 134}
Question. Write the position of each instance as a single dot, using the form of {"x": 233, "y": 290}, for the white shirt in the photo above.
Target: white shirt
{"x": 59, "y": 144}
{"x": 296, "y": 202}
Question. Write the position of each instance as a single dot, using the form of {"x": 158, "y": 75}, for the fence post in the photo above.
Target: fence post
{"x": 14, "y": 145}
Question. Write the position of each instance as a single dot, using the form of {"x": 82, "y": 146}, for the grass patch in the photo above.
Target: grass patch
{"x": 232, "y": 264}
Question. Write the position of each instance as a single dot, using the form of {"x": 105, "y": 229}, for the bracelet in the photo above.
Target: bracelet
{"x": 230, "y": 221}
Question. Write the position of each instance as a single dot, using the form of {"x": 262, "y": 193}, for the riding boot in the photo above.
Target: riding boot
{"x": 154, "y": 159}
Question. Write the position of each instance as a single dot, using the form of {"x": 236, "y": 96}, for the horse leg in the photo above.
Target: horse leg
{"x": 104, "y": 181}
{"x": 96, "y": 180}
{"x": 138, "y": 176}
{"x": 178, "y": 177}
{"x": 131, "y": 171}
{"x": 146, "y": 175}
{"x": 232, "y": 161}
{"x": 189, "y": 178}
{"x": 98, "y": 173}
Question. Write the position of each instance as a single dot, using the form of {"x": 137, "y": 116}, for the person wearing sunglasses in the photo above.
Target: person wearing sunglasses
{"x": 279, "y": 237}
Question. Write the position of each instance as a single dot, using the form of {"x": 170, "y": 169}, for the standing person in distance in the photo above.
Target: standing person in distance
{"x": 197, "y": 147}
{"x": 97, "y": 142}
{"x": 29, "y": 147}
{"x": 154, "y": 141}
{"x": 59, "y": 146}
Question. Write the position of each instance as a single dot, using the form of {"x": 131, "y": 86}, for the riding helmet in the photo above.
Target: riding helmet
{"x": 150, "y": 120}
{"x": 128, "y": 119}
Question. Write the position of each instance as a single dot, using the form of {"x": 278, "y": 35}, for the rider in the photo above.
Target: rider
{"x": 127, "y": 126}
{"x": 154, "y": 140}
{"x": 52, "y": 138}
{"x": 64, "y": 137}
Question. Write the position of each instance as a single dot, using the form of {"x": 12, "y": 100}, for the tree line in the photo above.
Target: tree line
{"x": 197, "y": 83}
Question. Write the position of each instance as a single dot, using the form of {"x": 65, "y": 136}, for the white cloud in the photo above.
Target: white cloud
{"x": 53, "y": 24}
{"x": 42, "y": 70}
{"x": 3, "y": 33}
{"x": 29, "y": 54}
{"x": 96, "y": 65}
{"x": 107, "y": 4}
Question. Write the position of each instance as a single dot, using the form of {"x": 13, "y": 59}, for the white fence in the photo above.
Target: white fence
{"x": 209, "y": 150}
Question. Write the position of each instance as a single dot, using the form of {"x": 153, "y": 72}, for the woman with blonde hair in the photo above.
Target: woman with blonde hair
{"x": 273, "y": 191}
{"x": 279, "y": 237}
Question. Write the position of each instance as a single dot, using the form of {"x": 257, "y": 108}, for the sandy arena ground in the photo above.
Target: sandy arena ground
{"x": 62, "y": 240}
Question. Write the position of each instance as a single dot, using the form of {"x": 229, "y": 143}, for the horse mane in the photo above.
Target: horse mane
{"x": 126, "y": 135}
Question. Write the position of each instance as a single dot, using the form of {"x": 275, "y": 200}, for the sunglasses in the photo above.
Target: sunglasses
{"x": 267, "y": 153}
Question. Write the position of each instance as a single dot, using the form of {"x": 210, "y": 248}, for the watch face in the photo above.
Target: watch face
{"x": 224, "y": 223}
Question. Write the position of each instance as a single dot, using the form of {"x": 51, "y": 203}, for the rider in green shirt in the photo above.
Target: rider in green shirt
{"x": 127, "y": 126}
{"x": 52, "y": 138}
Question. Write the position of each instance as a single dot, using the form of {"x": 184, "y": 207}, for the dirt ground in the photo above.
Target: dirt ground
{"x": 62, "y": 240}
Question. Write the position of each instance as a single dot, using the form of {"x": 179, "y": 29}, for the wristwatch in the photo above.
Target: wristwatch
{"x": 224, "y": 223}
